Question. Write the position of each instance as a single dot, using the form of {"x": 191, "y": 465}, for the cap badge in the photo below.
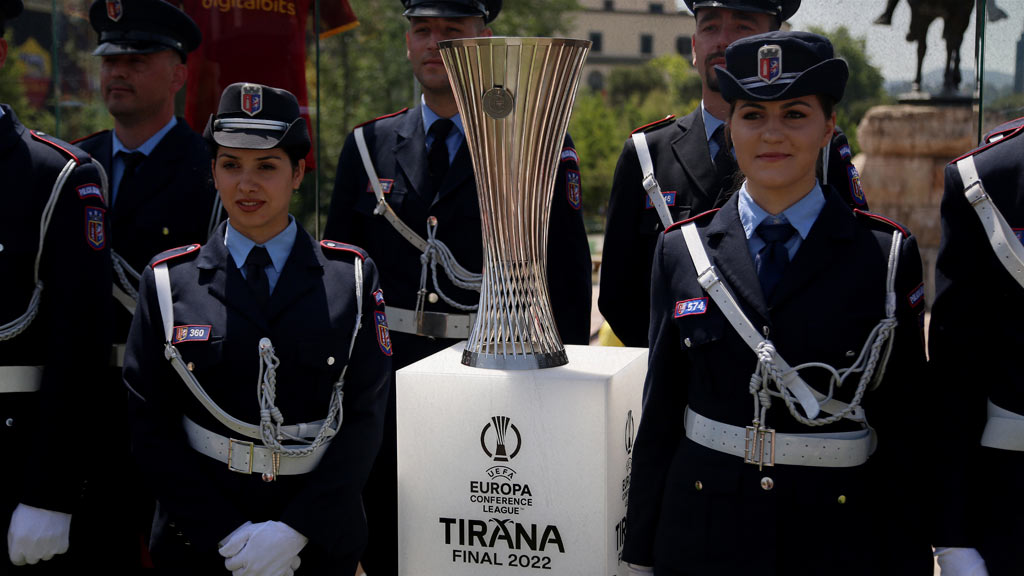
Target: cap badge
{"x": 114, "y": 10}
{"x": 769, "y": 63}
{"x": 252, "y": 99}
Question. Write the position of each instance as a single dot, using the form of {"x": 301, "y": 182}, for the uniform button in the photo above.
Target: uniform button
{"x": 687, "y": 342}
{"x": 330, "y": 360}
{"x": 10, "y": 422}
{"x": 1, "y": 247}
{"x": 432, "y": 298}
{"x": 698, "y": 486}
{"x": 432, "y": 221}
{"x": 850, "y": 353}
{"x": 166, "y": 231}
{"x": 841, "y": 499}
{"x": 767, "y": 483}
{"x": 191, "y": 366}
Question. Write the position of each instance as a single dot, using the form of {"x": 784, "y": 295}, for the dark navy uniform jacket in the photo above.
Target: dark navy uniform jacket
{"x": 975, "y": 342}
{"x": 687, "y": 176}
{"x": 693, "y": 510}
{"x": 69, "y": 336}
{"x": 168, "y": 204}
{"x": 396, "y": 145}
{"x": 309, "y": 320}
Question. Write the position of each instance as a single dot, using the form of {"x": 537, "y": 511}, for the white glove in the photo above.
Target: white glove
{"x": 36, "y": 534}
{"x": 271, "y": 549}
{"x": 637, "y": 570}
{"x": 960, "y": 562}
{"x": 233, "y": 543}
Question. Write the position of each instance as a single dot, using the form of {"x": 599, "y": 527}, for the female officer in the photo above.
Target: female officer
{"x": 785, "y": 348}
{"x": 259, "y": 363}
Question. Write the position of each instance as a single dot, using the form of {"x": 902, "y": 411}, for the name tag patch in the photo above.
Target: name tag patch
{"x": 917, "y": 296}
{"x": 191, "y": 333}
{"x": 385, "y": 185}
{"x": 383, "y": 336}
{"x": 670, "y": 200}
{"x": 89, "y": 190}
{"x": 691, "y": 307}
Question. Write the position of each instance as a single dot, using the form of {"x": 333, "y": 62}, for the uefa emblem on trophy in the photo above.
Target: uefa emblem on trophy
{"x": 515, "y": 96}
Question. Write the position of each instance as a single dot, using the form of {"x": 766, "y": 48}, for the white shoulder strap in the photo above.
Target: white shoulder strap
{"x": 382, "y": 205}
{"x": 808, "y": 398}
{"x": 1000, "y": 235}
{"x": 650, "y": 183}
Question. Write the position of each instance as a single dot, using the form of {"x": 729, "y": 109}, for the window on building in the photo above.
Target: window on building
{"x": 657, "y": 8}
{"x": 609, "y": 5}
{"x": 596, "y": 81}
{"x": 683, "y": 45}
{"x": 595, "y": 38}
{"x": 646, "y": 43}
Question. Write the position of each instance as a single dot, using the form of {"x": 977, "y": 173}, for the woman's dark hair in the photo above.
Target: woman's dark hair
{"x": 294, "y": 154}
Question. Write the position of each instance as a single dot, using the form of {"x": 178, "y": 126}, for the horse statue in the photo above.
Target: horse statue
{"x": 956, "y": 15}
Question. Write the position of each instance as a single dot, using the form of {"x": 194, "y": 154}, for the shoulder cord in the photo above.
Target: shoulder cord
{"x": 432, "y": 249}
{"x": 773, "y": 368}
{"x": 650, "y": 183}
{"x": 271, "y": 429}
{"x": 20, "y": 324}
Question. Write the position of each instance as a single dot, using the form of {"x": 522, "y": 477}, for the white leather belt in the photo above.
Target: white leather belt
{"x": 433, "y": 324}
{"x": 20, "y": 378}
{"x": 825, "y": 450}
{"x": 247, "y": 457}
{"x": 1003, "y": 430}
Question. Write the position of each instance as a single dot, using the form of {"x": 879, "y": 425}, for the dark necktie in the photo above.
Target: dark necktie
{"x": 771, "y": 260}
{"x": 725, "y": 162}
{"x": 437, "y": 156}
{"x": 256, "y": 273}
{"x": 131, "y": 163}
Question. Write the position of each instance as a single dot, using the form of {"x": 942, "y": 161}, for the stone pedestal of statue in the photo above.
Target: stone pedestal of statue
{"x": 904, "y": 152}
{"x": 516, "y": 471}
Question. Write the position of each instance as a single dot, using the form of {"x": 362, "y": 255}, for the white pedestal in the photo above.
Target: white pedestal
{"x": 555, "y": 502}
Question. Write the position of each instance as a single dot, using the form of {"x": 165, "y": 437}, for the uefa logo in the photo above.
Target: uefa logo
{"x": 496, "y": 440}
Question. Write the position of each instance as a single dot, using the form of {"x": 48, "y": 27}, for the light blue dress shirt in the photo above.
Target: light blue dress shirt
{"x": 800, "y": 216}
{"x": 455, "y": 137}
{"x": 279, "y": 247}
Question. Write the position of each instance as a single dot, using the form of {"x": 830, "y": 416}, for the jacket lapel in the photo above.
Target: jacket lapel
{"x": 691, "y": 149}
{"x": 302, "y": 271}
{"x": 728, "y": 250}
{"x": 458, "y": 172}
{"x": 225, "y": 282}
{"x": 411, "y": 156}
{"x": 834, "y": 224}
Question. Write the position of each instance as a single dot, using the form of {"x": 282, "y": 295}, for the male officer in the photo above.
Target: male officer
{"x": 54, "y": 344}
{"x": 400, "y": 148}
{"x": 161, "y": 193}
{"x": 979, "y": 287}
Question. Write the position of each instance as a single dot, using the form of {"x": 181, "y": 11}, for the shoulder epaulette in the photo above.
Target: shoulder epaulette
{"x": 84, "y": 138}
{"x": 332, "y": 246}
{"x": 402, "y": 111}
{"x": 174, "y": 253}
{"x": 656, "y": 124}
{"x": 1000, "y": 133}
{"x": 881, "y": 222}
{"x": 691, "y": 219}
{"x": 72, "y": 152}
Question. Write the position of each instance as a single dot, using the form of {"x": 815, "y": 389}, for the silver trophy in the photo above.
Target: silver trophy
{"x": 515, "y": 96}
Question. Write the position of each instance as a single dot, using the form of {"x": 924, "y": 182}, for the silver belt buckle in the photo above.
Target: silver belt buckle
{"x": 759, "y": 446}
{"x": 241, "y": 445}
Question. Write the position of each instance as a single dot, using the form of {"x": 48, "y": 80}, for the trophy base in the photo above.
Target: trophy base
{"x": 516, "y": 361}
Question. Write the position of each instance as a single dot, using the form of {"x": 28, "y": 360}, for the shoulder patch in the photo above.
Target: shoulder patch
{"x": 84, "y": 138}
{"x": 71, "y": 152}
{"x": 691, "y": 219}
{"x": 174, "y": 253}
{"x": 656, "y": 124}
{"x": 332, "y": 246}
{"x": 881, "y": 222}
{"x": 569, "y": 153}
{"x": 402, "y": 111}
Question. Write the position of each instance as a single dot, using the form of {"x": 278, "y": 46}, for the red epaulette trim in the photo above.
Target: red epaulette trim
{"x": 174, "y": 253}
{"x": 1009, "y": 133}
{"x": 342, "y": 247}
{"x": 402, "y": 111}
{"x": 655, "y": 123}
{"x": 874, "y": 216}
{"x": 690, "y": 219}
{"x": 76, "y": 141}
{"x": 43, "y": 138}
